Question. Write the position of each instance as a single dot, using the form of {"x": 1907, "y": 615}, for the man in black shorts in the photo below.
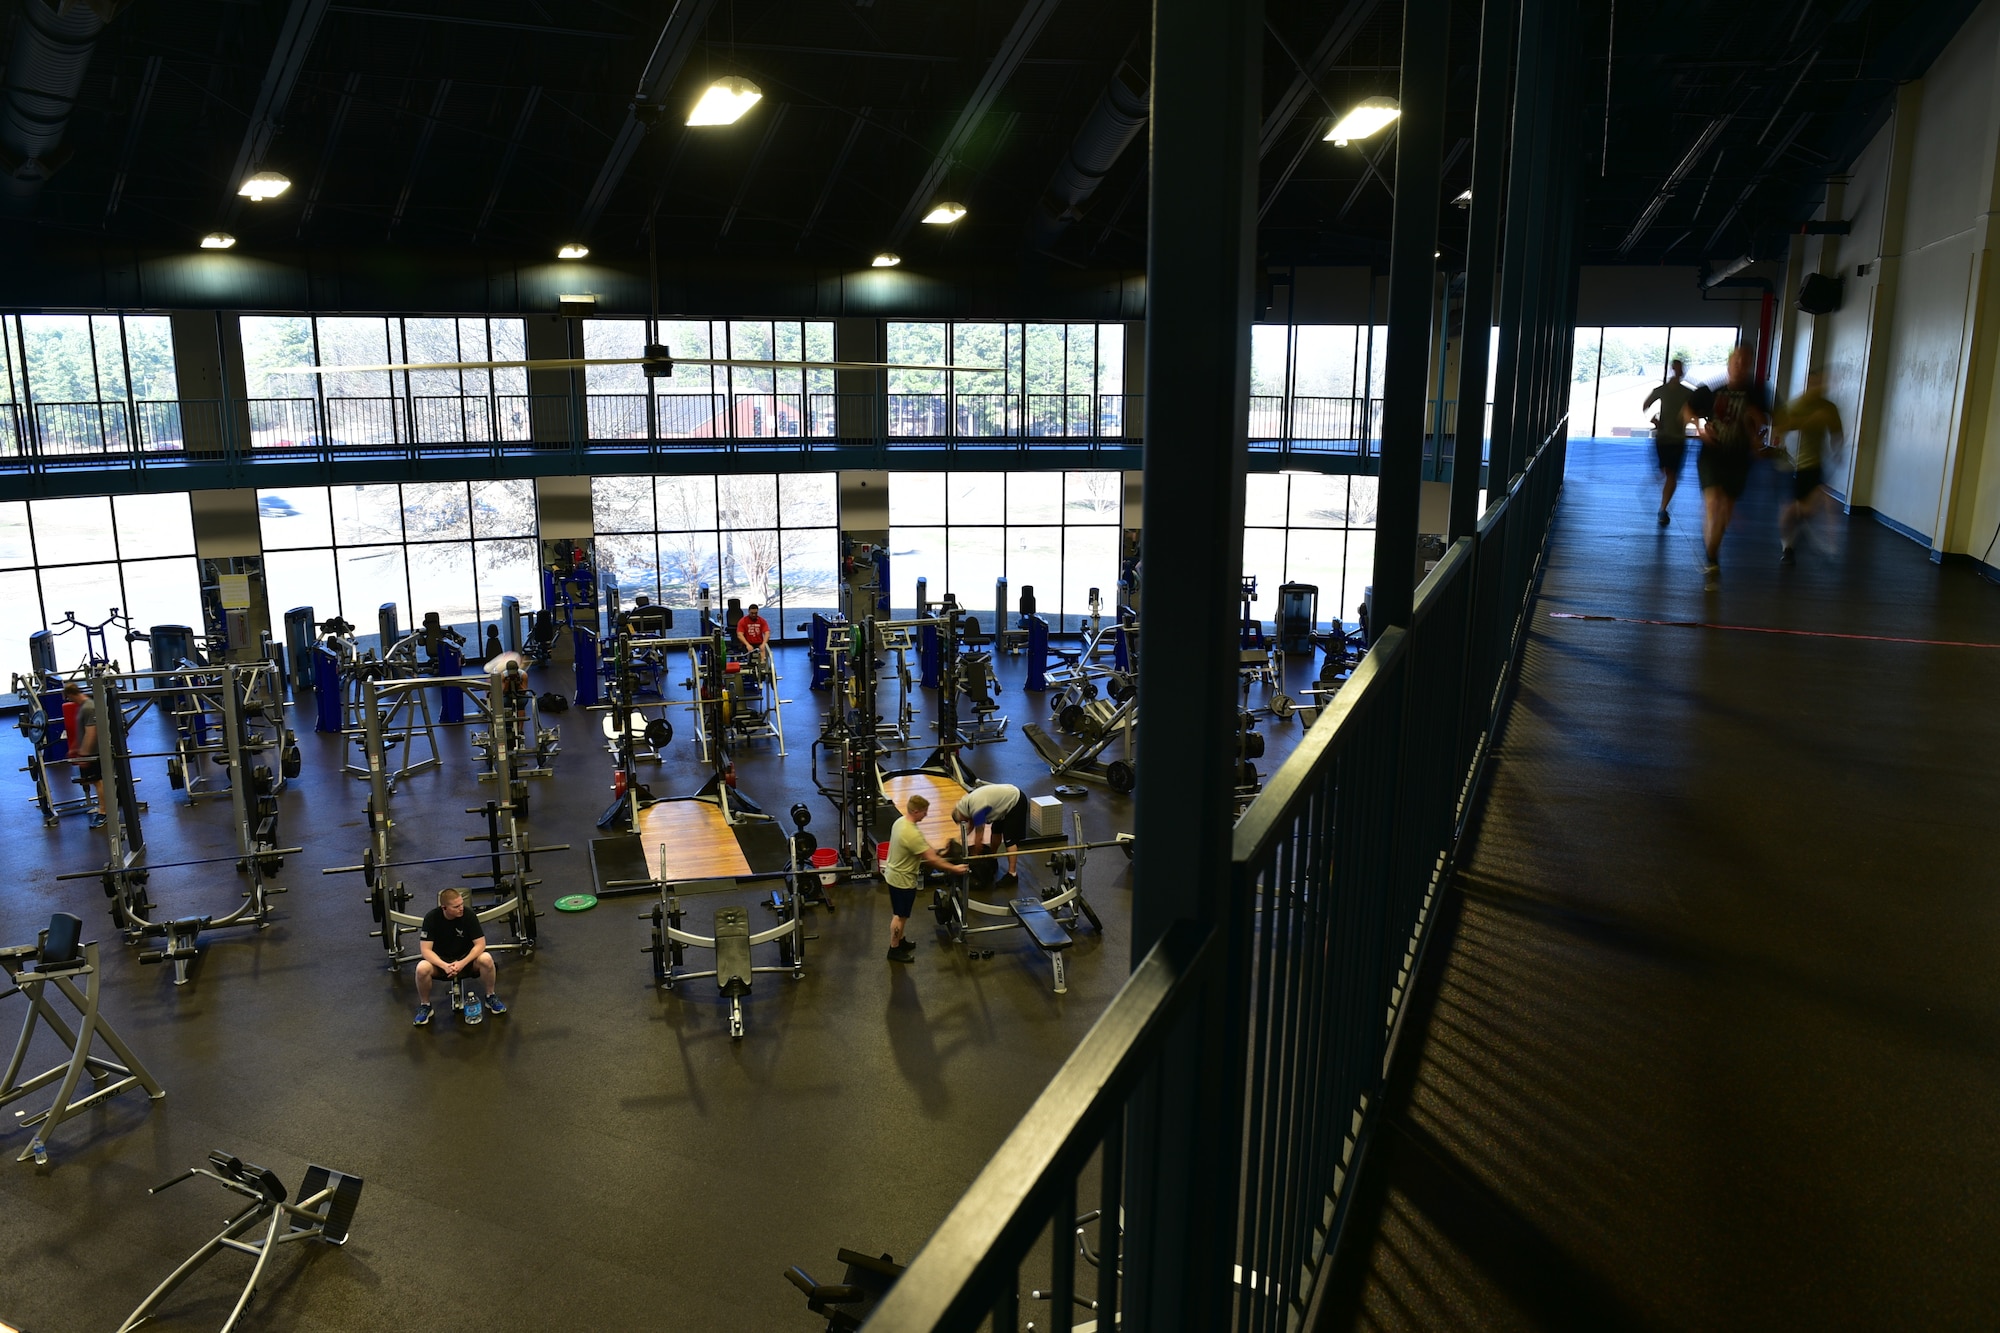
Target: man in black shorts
{"x": 453, "y": 944}
{"x": 1731, "y": 435}
{"x": 995, "y": 815}
{"x": 83, "y": 751}
{"x": 1670, "y": 435}
{"x": 1813, "y": 415}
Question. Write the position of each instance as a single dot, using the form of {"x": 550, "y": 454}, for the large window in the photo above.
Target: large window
{"x": 87, "y": 555}
{"x": 772, "y": 540}
{"x": 1055, "y": 532}
{"x": 711, "y": 402}
{"x": 1615, "y": 368}
{"x": 87, "y": 383}
{"x": 1318, "y": 386}
{"x": 1046, "y": 381}
{"x": 368, "y": 408}
{"x": 1310, "y": 528}
{"x": 452, "y": 547}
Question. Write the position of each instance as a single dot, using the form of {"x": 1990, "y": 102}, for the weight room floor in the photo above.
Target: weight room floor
{"x": 603, "y": 1156}
{"x": 1706, "y": 1035}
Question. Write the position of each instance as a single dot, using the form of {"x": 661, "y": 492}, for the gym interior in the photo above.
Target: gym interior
{"x": 1388, "y": 863}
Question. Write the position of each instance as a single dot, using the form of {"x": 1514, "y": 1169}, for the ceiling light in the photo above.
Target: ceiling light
{"x": 217, "y": 240}
{"x": 725, "y": 102}
{"x": 1464, "y": 200}
{"x": 944, "y": 212}
{"x": 1368, "y": 117}
{"x": 885, "y": 260}
{"x": 264, "y": 185}
{"x": 573, "y": 251}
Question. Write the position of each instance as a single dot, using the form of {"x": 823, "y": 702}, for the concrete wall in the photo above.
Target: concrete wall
{"x": 1911, "y": 353}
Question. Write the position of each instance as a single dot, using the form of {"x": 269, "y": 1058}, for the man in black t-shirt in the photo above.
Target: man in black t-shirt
{"x": 453, "y": 944}
{"x": 1731, "y": 436}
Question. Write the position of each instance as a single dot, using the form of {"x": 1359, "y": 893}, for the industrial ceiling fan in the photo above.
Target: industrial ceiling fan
{"x": 657, "y": 363}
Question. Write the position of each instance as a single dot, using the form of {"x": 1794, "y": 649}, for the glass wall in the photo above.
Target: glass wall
{"x": 1310, "y": 528}
{"x": 87, "y": 555}
{"x": 453, "y": 547}
{"x": 357, "y": 407}
{"x": 772, "y": 540}
{"x": 1057, "y": 532}
{"x": 708, "y": 402}
{"x": 1616, "y": 367}
{"x": 1316, "y": 383}
{"x": 1048, "y": 381}
{"x": 88, "y": 383}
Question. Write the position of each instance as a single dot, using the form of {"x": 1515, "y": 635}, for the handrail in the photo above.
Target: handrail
{"x": 1259, "y": 825}
{"x": 955, "y": 1279}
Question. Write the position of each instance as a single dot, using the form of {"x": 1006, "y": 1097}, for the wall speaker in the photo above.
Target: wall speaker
{"x": 1819, "y": 294}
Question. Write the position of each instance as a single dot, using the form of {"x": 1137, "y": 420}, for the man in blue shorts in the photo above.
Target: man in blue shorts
{"x": 909, "y": 852}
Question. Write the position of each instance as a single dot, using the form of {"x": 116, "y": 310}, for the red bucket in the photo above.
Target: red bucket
{"x": 881, "y": 853}
{"x": 824, "y": 859}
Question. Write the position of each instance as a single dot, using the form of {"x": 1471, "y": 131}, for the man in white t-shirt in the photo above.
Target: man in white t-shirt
{"x": 994, "y": 816}
{"x": 909, "y": 852}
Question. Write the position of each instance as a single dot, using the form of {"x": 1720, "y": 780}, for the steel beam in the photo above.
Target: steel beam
{"x": 777, "y": 118}
{"x": 677, "y": 39}
{"x": 1027, "y": 27}
{"x": 1304, "y": 87}
{"x": 1412, "y": 289}
{"x": 140, "y": 102}
{"x": 1482, "y": 248}
{"x": 423, "y": 147}
{"x": 1181, "y": 1191}
{"x": 528, "y": 105}
{"x": 288, "y": 58}
{"x": 833, "y": 174}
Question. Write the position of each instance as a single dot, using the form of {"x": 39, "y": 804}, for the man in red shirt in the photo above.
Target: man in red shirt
{"x": 754, "y": 633}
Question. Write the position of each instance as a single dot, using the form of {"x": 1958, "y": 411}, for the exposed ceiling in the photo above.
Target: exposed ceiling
{"x": 512, "y": 126}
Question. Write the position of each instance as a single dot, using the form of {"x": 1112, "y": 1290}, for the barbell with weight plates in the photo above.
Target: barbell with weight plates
{"x": 1281, "y": 705}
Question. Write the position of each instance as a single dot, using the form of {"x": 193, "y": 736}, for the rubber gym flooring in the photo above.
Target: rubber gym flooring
{"x": 603, "y": 1156}
{"x": 1708, "y": 1033}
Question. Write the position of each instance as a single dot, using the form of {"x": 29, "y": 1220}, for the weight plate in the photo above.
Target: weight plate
{"x": 1282, "y": 705}
{"x": 1119, "y": 775}
{"x": 659, "y": 733}
{"x": 576, "y": 902}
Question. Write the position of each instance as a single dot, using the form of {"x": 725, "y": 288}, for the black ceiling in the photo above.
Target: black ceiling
{"x": 449, "y": 124}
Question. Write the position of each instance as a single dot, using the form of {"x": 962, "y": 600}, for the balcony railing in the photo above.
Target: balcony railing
{"x": 1335, "y": 870}
{"x": 144, "y": 433}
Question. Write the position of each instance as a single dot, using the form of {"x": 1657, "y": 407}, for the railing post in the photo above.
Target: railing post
{"x": 1182, "y": 1164}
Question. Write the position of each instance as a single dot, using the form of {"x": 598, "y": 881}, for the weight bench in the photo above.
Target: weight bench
{"x": 732, "y": 959}
{"x": 848, "y": 1303}
{"x": 1047, "y": 933}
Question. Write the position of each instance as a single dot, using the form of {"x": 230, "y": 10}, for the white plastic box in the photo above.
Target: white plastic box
{"x": 1045, "y": 817}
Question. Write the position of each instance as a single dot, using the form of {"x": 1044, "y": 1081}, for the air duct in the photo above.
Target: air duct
{"x": 1113, "y": 123}
{"x": 52, "y": 48}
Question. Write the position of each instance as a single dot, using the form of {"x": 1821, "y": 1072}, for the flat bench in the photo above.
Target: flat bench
{"x": 1047, "y": 933}
{"x": 732, "y": 951}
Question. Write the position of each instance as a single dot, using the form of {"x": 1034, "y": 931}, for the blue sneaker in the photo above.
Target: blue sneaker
{"x": 494, "y": 1004}
{"x": 423, "y": 1017}
{"x": 96, "y": 820}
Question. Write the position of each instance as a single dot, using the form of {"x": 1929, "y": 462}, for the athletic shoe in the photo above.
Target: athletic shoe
{"x": 423, "y": 1016}
{"x": 1711, "y": 577}
{"x": 1788, "y": 556}
{"x": 903, "y": 953}
{"x": 1665, "y": 518}
{"x": 1009, "y": 878}
{"x": 96, "y": 820}
{"x": 494, "y": 1004}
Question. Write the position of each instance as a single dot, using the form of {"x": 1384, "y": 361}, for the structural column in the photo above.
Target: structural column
{"x": 1482, "y": 252}
{"x": 1207, "y": 55}
{"x": 1412, "y": 282}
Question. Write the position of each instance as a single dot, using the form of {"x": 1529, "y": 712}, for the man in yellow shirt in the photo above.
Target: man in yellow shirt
{"x": 1814, "y": 417}
{"x": 909, "y": 852}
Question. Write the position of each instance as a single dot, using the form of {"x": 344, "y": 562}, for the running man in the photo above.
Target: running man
{"x": 1814, "y": 417}
{"x": 1670, "y": 437}
{"x": 1730, "y": 436}
{"x": 909, "y": 852}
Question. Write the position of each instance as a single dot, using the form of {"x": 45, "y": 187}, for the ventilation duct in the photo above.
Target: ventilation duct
{"x": 1113, "y": 123}
{"x": 52, "y": 48}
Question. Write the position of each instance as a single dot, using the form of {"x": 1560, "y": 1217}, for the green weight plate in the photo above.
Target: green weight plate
{"x": 576, "y": 902}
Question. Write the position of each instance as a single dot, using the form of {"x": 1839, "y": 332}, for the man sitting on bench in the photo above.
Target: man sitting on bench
{"x": 453, "y": 944}
{"x": 994, "y": 816}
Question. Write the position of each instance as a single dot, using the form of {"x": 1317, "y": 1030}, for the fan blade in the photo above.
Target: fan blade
{"x": 577, "y": 363}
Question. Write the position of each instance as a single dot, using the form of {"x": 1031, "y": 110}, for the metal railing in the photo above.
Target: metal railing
{"x": 1335, "y": 869}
